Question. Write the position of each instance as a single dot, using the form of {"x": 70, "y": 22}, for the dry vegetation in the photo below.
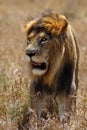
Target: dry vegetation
{"x": 14, "y": 91}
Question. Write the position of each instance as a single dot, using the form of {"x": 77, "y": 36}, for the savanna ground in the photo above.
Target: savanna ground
{"x": 14, "y": 88}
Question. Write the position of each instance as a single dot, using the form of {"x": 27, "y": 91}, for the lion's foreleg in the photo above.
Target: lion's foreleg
{"x": 63, "y": 107}
{"x": 67, "y": 104}
{"x": 35, "y": 100}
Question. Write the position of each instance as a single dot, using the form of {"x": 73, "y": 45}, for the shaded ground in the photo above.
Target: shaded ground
{"x": 13, "y": 82}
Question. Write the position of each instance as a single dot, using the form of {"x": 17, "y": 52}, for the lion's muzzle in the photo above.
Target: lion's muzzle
{"x": 38, "y": 63}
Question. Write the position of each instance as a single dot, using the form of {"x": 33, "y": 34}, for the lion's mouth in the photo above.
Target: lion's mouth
{"x": 41, "y": 66}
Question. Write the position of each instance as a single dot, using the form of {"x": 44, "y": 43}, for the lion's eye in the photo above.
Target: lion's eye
{"x": 43, "y": 40}
{"x": 28, "y": 40}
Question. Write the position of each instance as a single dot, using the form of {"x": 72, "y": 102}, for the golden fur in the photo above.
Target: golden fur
{"x": 55, "y": 59}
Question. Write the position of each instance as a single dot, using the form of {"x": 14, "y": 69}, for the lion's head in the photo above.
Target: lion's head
{"x": 45, "y": 46}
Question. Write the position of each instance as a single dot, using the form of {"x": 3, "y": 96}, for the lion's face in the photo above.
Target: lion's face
{"x": 45, "y": 48}
{"x": 39, "y": 50}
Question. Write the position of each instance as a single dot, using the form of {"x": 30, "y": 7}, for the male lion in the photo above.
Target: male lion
{"x": 53, "y": 57}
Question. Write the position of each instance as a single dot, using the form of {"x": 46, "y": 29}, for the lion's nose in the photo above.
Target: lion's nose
{"x": 30, "y": 53}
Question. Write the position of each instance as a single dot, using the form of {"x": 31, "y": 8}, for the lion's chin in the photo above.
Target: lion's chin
{"x": 38, "y": 72}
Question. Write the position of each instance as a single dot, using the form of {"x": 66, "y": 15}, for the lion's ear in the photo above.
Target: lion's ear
{"x": 62, "y": 24}
{"x": 28, "y": 26}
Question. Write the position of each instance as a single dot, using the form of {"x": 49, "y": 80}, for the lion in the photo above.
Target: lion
{"x": 53, "y": 57}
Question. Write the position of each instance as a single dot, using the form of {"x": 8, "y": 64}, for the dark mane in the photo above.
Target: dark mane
{"x": 51, "y": 22}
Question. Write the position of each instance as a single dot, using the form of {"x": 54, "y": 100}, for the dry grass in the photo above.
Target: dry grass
{"x": 14, "y": 91}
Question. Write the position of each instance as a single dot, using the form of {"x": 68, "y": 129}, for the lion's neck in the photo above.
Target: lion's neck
{"x": 51, "y": 77}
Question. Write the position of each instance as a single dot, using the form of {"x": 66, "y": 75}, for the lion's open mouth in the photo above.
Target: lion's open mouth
{"x": 41, "y": 66}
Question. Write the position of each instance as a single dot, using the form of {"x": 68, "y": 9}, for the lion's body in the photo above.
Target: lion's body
{"x": 53, "y": 63}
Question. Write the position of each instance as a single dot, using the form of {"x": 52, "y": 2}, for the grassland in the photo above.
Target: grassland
{"x": 14, "y": 80}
